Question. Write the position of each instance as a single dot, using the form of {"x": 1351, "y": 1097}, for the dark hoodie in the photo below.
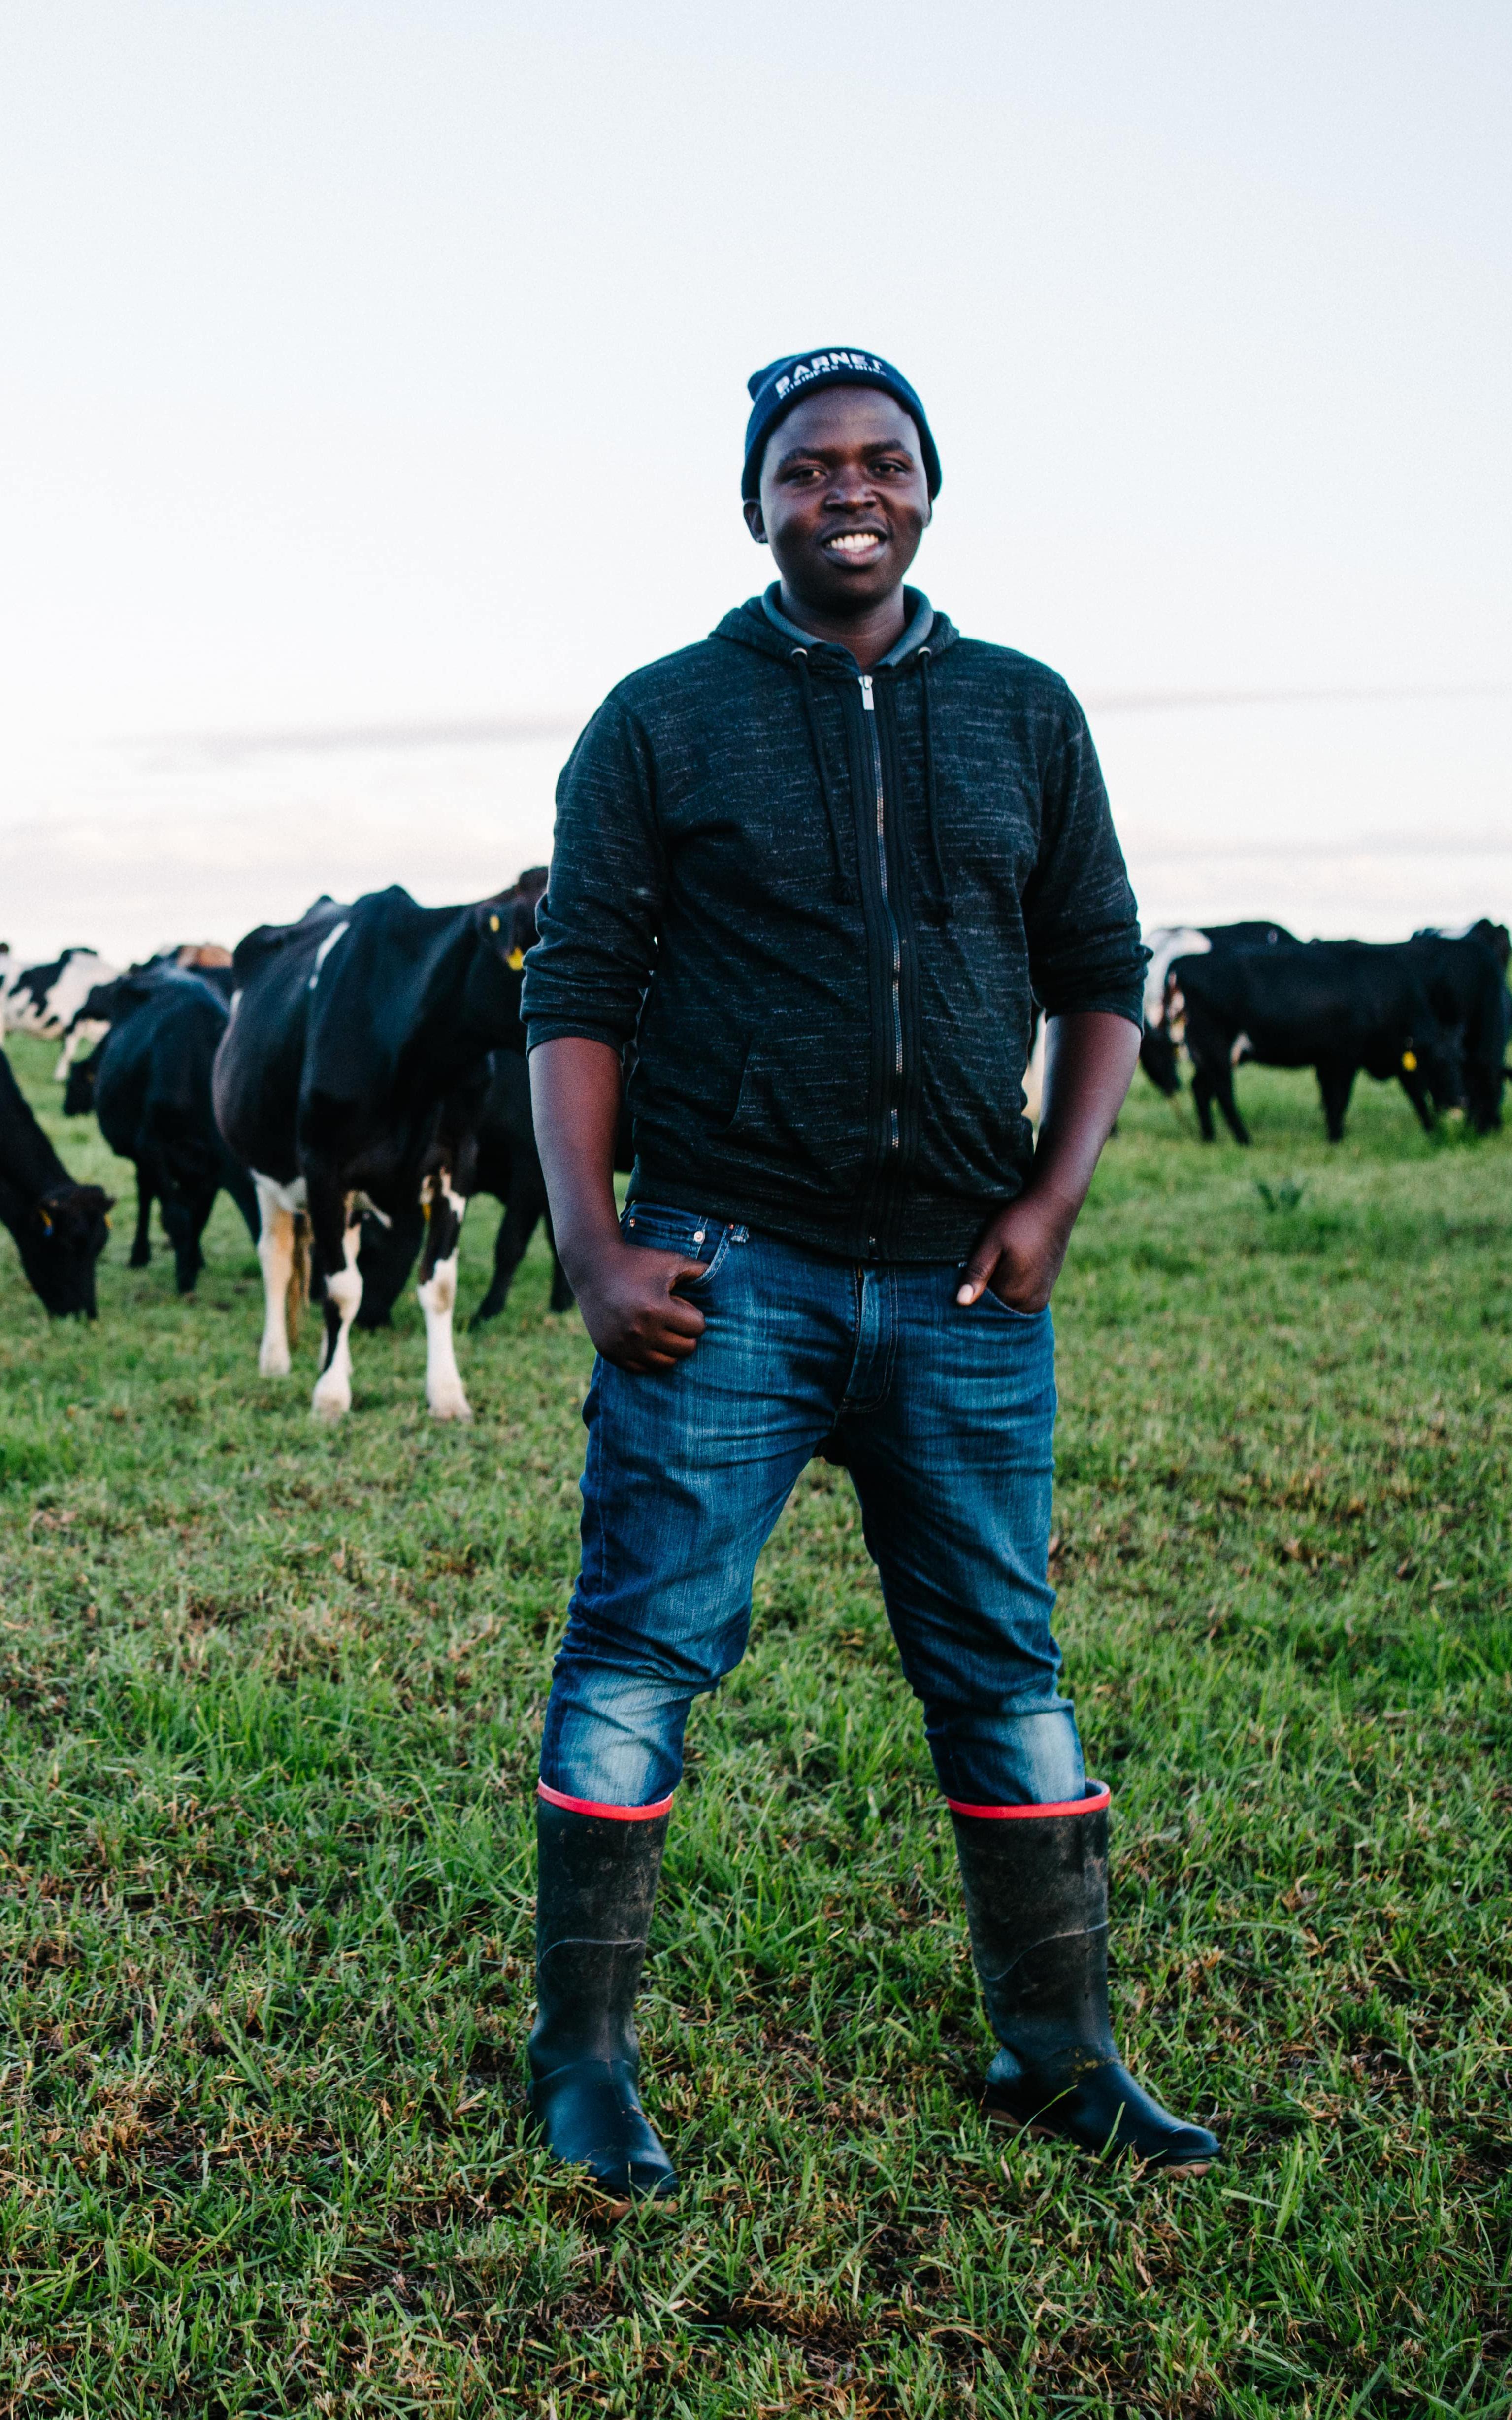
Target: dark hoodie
{"x": 823, "y": 905}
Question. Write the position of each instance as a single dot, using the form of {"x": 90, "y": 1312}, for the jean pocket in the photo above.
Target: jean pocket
{"x": 657, "y": 1228}
{"x": 1010, "y": 1311}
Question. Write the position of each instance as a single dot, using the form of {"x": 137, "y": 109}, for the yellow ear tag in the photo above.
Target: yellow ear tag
{"x": 516, "y": 959}
{"x": 493, "y": 924}
{"x": 1409, "y": 1059}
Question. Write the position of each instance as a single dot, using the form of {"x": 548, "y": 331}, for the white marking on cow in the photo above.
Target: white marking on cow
{"x": 1034, "y": 1078}
{"x": 278, "y": 1206}
{"x": 323, "y": 953}
{"x": 1243, "y": 1048}
{"x": 332, "y": 1394}
{"x": 1168, "y": 942}
{"x": 444, "y": 1390}
{"x": 89, "y": 1029}
{"x": 51, "y": 1013}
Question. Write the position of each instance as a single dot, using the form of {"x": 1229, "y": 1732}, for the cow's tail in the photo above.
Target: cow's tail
{"x": 298, "y": 1286}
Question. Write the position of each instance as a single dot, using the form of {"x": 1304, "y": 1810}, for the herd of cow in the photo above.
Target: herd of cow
{"x": 352, "y": 1079}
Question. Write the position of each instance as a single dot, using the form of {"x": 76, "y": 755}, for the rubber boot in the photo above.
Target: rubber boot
{"x": 1037, "y": 1902}
{"x": 596, "y": 1889}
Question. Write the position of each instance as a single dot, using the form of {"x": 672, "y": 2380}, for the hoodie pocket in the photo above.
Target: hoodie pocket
{"x": 800, "y": 1113}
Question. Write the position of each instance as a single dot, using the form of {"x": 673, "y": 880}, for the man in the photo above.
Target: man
{"x": 819, "y": 867}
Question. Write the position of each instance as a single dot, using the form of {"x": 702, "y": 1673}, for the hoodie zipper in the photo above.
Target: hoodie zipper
{"x": 869, "y": 725}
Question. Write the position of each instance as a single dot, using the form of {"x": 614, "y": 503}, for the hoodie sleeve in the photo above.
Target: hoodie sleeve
{"x": 1079, "y": 913}
{"x": 598, "y": 921}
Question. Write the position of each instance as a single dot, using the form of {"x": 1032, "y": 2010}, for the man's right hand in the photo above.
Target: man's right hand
{"x": 630, "y": 1309}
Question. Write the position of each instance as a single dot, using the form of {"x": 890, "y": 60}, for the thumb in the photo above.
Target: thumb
{"x": 977, "y": 1272}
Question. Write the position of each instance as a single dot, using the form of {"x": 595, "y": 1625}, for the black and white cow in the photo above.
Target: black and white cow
{"x": 350, "y": 1080}
{"x": 1335, "y": 1006}
{"x": 149, "y": 1086}
{"x": 46, "y": 999}
{"x": 1157, "y": 1050}
{"x": 59, "y": 1226}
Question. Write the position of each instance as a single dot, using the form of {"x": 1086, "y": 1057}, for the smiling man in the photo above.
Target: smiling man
{"x": 819, "y": 868}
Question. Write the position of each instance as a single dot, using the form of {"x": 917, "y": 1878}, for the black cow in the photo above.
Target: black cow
{"x": 59, "y": 1226}
{"x": 150, "y": 1083}
{"x": 350, "y": 1080}
{"x": 1465, "y": 975}
{"x": 1157, "y": 1050}
{"x": 1336, "y": 1006}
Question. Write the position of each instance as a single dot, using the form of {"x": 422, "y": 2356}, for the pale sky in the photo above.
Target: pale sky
{"x": 371, "y": 366}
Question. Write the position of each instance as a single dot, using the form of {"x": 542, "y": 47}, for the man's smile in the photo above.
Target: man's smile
{"x": 856, "y": 545}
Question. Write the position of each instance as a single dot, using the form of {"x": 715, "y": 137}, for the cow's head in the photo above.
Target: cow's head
{"x": 61, "y": 1238}
{"x": 1432, "y": 1054}
{"x": 1157, "y": 1056}
{"x": 505, "y": 926}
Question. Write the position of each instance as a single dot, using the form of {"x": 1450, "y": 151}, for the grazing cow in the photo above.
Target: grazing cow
{"x": 350, "y": 1079}
{"x": 150, "y": 1082}
{"x": 46, "y": 999}
{"x": 1465, "y": 975}
{"x": 1157, "y": 1050}
{"x": 1336, "y": 1006}
{"x": 59, "y": 1226}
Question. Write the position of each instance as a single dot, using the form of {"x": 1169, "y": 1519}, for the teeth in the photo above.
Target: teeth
{"x": 854, "y": 542}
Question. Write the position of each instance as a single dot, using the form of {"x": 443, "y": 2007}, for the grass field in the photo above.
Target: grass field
{"x": 271, "y": 1699}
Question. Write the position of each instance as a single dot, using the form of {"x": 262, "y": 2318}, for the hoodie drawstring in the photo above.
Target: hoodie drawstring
{"x": 845, "y": 895}
{"x": 942, "y": 904}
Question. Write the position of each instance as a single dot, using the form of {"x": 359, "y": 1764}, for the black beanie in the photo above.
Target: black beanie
{"x": 783, "y": 383}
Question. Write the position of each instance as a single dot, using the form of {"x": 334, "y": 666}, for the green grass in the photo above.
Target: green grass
{"x": 271, "y": 1699}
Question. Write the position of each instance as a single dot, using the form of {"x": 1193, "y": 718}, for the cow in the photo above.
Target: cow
{"x": 1157, "y": 1051}
{"x": 59, "y": 1226}
{"x": 1465, "y": 975}
{"x": 1336, "y": 1006}
{"x": 349, "y": 1080}
{"x": 46, "y": 999}
{"x": 149, "y": 1082}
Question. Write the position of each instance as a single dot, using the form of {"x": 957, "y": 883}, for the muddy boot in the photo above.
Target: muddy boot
{"x": 1037, "y": 1900}
{"x": 596, "y": 1887}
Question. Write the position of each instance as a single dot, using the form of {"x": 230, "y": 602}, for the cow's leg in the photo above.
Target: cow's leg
{"x": 275, "y": 1250}
{"x": 141, "y": 1240}
{"x": 1202, "y": 1089}
{"x": 336, "y": 1243}
{"x": 563, "y": 1296}
{"x": 1223, "y": 1092}
{"x": 437, "y": 1292}
{"x": 1335, "y": 1082}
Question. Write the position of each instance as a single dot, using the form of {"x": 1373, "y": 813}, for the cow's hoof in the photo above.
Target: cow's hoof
{"x": 329, "y": 1404}
{"x": 450, "y": 1406}
{"x": 273, "y": 1365}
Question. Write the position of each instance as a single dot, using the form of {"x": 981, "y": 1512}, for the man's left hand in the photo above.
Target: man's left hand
{"x": 1018, "y": 1254}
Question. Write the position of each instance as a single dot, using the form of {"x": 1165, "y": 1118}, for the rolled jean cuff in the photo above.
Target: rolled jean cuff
{"x": 1026, "y": 1757}
{"x": 596, "y": 1807}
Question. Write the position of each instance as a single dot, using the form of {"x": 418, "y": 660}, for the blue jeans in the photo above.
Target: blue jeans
{"x": 946, "y": 1416}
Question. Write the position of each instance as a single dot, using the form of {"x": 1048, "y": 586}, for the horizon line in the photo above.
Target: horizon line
{"x": 522, "y": 730}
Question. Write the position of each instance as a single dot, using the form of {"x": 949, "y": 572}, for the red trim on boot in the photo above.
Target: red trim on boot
{"x": 615, "y": 1814}
{"x": 1098, "y": 1796}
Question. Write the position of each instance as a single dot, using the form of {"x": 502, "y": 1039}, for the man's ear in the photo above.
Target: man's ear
{"x": 753, "y": 509}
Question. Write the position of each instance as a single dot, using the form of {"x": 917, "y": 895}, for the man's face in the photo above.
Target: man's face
{"x": 843, "y": 500}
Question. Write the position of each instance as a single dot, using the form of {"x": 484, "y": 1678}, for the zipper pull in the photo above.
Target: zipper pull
{"x": 866, "y": 693}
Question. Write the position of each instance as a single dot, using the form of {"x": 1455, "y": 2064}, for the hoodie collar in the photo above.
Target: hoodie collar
{"x": 761, "y": 623}
{"x": 916, "y": 606}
